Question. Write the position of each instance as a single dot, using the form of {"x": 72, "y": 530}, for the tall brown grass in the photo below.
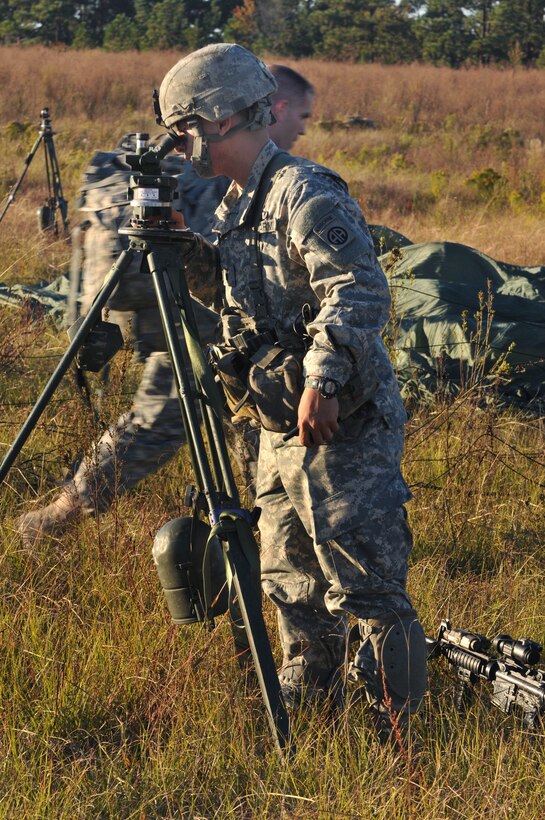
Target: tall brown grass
{"x": 436, "y": 130}
{"x": 102, "y": 84}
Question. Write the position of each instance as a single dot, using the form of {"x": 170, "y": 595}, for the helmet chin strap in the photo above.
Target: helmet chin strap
{"x": 200, "y": 157}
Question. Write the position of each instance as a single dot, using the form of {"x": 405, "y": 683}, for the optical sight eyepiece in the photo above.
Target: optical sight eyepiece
{"x": 524, "y": 651}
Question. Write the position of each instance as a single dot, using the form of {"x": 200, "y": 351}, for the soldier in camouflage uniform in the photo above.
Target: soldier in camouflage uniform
{"x": 292, "y": 244}
{"x": 150, "y": 433}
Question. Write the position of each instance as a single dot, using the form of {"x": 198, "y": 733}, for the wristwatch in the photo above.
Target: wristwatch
{"x": 328, "y": 388}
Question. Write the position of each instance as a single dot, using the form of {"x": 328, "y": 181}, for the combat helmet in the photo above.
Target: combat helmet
{"x": 215, "y": 82}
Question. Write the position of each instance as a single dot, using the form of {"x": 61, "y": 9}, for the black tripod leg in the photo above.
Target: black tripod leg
{"x": 212, "y": 409}
{"x": 95, "y": 312}
{"x": 15, "y": 188}
{"x": 246, "y": 586}
{"x": 54, "y": 184}
{"x": 249, "y": 603}
{"x": 175, "y": 349}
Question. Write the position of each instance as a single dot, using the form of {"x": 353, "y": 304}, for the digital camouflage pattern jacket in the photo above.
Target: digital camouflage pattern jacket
{"x": 312, "y": 248}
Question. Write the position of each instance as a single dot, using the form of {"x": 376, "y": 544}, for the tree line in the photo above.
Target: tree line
{"x": 442, "y": 32}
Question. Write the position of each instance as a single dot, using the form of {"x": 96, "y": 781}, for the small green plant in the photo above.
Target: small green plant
{"x": 487, "y": 183}
{"x": 438, "y": 182}
{"x": 398, "y": 162}
{"x": 15, "y": 130}
{"x": 516, "y": 201}
{"x": 503, "y": 139}
{"x": 374, "y": 156}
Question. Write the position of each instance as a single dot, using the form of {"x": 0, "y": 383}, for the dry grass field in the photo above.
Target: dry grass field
{"x": 106, "y": 709}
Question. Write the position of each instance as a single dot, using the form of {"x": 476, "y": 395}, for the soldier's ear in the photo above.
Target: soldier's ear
{"x": 279, "y": 108}
{"x": 224, "y": 126}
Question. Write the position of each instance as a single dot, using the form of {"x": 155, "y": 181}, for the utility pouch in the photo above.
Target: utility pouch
{"x": 231, "y": 368}
{"x": 275, "y": 384}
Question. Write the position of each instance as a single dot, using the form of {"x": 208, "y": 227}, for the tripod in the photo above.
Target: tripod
{"x": 55, "y": 202}
{"x": 152, "y": 235}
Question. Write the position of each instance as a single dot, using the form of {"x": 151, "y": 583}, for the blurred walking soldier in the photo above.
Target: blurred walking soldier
{"x": 305, "y": 302}
{"x": 150, "y": 433}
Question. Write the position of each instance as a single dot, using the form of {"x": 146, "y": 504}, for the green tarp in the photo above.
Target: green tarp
{"x": 463, "y": 319}
{"x": 44, "y": 297}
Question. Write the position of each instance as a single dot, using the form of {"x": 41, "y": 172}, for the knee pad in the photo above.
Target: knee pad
{"x": 399, "y": 646}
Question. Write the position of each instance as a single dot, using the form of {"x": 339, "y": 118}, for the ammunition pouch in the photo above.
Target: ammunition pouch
{"x": 275, "y": 384}
{"x": 231, "y": 369}
{"x": 262, "y": 373}
{"x": 231, "y": 363}
{"x": 267, "y": 385}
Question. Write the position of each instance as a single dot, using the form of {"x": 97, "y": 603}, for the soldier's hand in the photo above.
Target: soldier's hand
{"x": 317, "y": 418}
{"x": 177, "y": 218}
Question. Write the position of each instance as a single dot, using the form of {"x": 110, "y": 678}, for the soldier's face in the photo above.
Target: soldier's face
{"x": 194, "y": 146}
{"x": 292, "y": 116}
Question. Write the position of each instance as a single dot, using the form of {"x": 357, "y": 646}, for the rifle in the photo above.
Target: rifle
{"x": 516, "y": 682}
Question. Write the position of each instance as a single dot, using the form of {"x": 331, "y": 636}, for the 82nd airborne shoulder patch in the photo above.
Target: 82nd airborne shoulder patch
{"x": 335, "y": 230}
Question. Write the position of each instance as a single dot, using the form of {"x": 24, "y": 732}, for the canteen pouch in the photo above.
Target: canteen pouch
{"x": 275, "y": 385}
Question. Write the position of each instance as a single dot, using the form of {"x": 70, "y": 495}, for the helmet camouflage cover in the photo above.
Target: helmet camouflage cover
{"x": 215, "y": 82}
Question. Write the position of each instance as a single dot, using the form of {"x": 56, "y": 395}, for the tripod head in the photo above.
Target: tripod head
{"x": 45, "y": 122}
{"x": 151, "y": 191}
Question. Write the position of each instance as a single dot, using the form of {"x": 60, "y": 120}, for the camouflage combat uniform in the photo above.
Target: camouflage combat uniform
{"x": 151, "y": 432}
{"x": 334, "y": 536}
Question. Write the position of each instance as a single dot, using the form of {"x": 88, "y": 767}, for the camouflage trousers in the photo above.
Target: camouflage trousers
{"x": 318, "y": 571}
{"x": 146, "y": 437}
{"x": 141, "y": 441}
{"x": 151, "y": 432}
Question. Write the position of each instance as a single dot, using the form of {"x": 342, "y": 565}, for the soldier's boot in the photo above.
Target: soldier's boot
{"x": 394, "y": 677}
{"x": 306, "y": 685}
{"x": 50, "y": 520}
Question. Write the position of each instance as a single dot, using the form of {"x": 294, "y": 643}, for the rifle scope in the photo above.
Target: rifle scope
{"x": 524, "y": 651}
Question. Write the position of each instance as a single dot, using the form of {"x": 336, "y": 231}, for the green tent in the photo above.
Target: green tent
{"x": 462, "y": 320}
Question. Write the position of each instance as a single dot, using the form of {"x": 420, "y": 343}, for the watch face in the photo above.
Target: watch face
{"x": 328, "y": 388}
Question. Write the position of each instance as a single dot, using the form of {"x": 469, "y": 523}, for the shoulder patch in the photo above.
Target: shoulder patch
{"x": 324, "y": 226}
{"x": 334, "y": 230}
